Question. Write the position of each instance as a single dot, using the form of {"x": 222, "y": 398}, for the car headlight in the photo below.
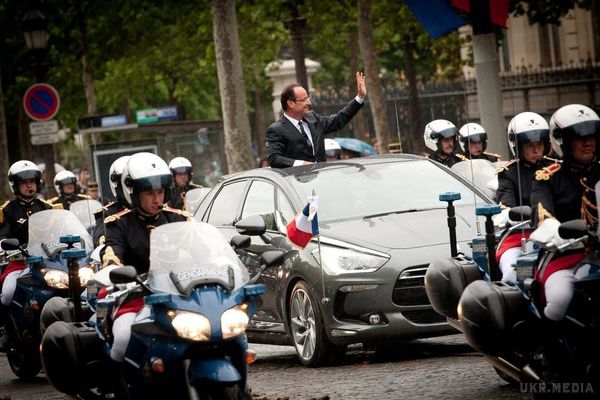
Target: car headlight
{"x": 57, "y": 279}
{"x": 85, "y": 274}
{"x": 338, "y": 261}
{"x": 190, "y": 325}
{"x": 234, "y": 322}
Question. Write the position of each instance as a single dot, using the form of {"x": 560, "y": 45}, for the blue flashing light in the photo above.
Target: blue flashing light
{"x": 255, "y": 290}
{"x": 34, "y": 260}
{"x": 450, "y": 196}
{"x": 488, "y": 209}
{"x": 158, "y": 298}
{"x": 70, "y": 254}
{"x": 68, "y": 239}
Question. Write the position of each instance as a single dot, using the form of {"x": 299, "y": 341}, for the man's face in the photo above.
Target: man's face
{"x": 448, "y": 145}
{"x": 533, "y": 151}
{"x": 476, "y": 148}
{"x": 299, "y": 107}
{"x": 93, "y": 193}
{"x": 68, "y": 188}
{"x": 27, "y": 188}
{"x": 181, "y": 179}
{"x": 584, "y": 149}
{"x": 151, "y": 201}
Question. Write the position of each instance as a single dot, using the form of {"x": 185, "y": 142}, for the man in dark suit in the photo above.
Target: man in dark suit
{"x": 298, "y": 137}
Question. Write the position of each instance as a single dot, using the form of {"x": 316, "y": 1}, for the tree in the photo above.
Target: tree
{"x": 231, "y": 86}
{"x": 376, "y": 95}
{"x": 4, "y": 191}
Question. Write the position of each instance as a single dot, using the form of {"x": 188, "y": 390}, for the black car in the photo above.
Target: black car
{"x": 381, "y": 223}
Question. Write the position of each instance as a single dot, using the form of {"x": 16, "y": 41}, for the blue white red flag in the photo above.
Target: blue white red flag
{"x": 301, "y": 229}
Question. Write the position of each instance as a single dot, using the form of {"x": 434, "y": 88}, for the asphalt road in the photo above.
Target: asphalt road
{"x": 439, "y": 368}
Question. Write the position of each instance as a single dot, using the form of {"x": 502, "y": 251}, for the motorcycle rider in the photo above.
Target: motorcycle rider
{"x": 333, "y": 151}
{"x": 528, "y": 137}
{"x": 181, "y": 168}
{"x": 119, "y": 204}
{"x": 473, "y": 142}
{"x": 440, "y": 136}
{"x": 566, "y": 192}
{"x": 146, "y": 181}
{"x": 25, "y": 182}
{"x": 65, "y": 183}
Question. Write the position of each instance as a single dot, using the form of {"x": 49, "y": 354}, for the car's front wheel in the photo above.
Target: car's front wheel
{"x": 308, "y": 331}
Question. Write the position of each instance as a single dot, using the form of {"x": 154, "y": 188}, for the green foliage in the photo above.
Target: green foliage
{"x": 546, "y": 11}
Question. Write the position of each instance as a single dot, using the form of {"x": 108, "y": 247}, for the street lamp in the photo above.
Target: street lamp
{"x": 35, "y": 31}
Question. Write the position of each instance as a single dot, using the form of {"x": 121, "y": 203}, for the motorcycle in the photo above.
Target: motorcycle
{"x": 506, "y": 322}
{"x": 187, "y": 341}
{"x": 49, "y": 272}
{"x": 84, "y": 211}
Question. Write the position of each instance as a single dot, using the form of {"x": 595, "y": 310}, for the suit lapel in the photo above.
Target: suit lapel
{"x": 294, "y": 131}
{"x": 313, "y": 135}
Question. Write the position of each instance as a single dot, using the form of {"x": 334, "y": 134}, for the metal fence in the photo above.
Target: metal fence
{"x": 541, "y": 90}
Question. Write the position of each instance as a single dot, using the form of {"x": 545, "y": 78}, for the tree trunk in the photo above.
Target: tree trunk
{"x": 88, "y": 73}
{"x": 358, "y": 122}
{"x": 416, "y": 132}
{"x": 259, "y": 122}
{"x": 4, "y": 190}
{"x": 236, "y": 125}
{"x": 376, "y": 95}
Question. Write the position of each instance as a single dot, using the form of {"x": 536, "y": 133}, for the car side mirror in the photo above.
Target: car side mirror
{"x": 519, "y": 213}
{"x": 573, "y": 229}
{"x": 123, "y": 274}
{"x": 272, "y": 258}
{"x": 240, "y": 241}
{"x": 10, "y": 244}
{"x": 251, "y": 226}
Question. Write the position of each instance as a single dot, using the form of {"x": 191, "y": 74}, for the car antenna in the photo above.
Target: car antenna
{"x": 519, "y": 190}
{"x": 478, "y": 227}
{"x": 324, "y": 299}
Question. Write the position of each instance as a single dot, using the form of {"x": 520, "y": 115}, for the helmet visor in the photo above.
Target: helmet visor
{"x": 477, "y": 137}
{"x": 538, "y": 135}
{"x": 333, "y": 153}
{"x": 581, "y": 129}
{"x": 446, "y": 133}
{"x": 70, "y": 179}
{"x": 28, "y": 174}
{"x": 181, "y": 170}
{"x": 153, "y": 182}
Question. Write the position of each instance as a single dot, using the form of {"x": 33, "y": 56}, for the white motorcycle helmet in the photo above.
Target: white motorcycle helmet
{"x": 23, "y": 170}
{"x": 436, "y": 130}
{"x": 114, "y": 177}
{"x": 527, "y": 127}
{"x": 62, "y": 178}
{"x": 181, "y": 165}
{"x": 471, "y": 133}
{"x": 573, "y": 120}
{"x": 333, "y": 149}
{"x": 145, "y": 171}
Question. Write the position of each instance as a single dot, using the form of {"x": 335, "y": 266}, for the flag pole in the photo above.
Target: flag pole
{"x": 324, "y": 299}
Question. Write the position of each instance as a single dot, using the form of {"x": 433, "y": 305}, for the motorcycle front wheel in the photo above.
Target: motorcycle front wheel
{"x": 24, "y": 363}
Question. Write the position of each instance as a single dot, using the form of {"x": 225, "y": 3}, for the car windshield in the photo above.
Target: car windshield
{"x": 84, "y": 210}
{"x": 351, "y": 192}
{"x": 184, "y": 255}
{"x": 46, "y": 227}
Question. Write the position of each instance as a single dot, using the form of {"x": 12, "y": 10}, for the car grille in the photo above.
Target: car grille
{"x": 423, "y": 316}
{"x": 409, "y": 289}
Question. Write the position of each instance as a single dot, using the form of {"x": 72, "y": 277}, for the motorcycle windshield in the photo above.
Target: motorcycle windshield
{"x": 84, "y": 211}
{"x": 184, "y": 255}
{"x": 194, "y": 197}
{"x": 481, "y": 173}
{"x": 46, "y": 227}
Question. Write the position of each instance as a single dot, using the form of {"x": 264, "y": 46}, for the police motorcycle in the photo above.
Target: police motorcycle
{"x": 56, "y": 265}
{"x": 505, "y": 322}
{"x": 187, "y": 341}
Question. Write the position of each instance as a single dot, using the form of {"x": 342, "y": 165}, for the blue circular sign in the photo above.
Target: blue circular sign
{"x": 41, "y": 102}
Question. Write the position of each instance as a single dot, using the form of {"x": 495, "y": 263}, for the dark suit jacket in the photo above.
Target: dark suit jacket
{"x": 285, "y": 143}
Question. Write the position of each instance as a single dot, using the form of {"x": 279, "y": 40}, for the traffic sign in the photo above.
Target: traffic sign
{"x": 156, "y": 114}
{"x": 41, "y": 102}
{"x": 43, "y": 128}
{"x": 44, "y": 139}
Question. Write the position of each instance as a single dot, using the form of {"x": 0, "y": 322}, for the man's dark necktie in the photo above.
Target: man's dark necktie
{"x": 303, "y": 132}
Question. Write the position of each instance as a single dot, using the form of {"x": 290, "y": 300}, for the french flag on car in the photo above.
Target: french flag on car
{"x": 306, "y": 225}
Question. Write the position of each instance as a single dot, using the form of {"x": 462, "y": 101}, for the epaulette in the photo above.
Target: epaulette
{"x": 505, "y": 167}
{"x": 498, "y": 156}
{"x": 116, "y": 216}
{"x": 105, "y": 208}
{"x": 554, "y": 160}
{"x": 461, "y": 157}
{"x": 195, "y": 185}
{"x": 52, "y": 200}
{"x": 55, "y": 206}
{"x": 84, "y": 196}
{"x": 545, "y": 173}
{"x": 177, "y": 211}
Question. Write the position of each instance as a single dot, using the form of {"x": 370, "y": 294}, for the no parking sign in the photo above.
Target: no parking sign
{"x": 41, "y": 102}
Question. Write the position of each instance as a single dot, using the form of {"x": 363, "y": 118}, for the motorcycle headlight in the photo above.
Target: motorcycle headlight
{"x": 234, "y": 322}
{"x": 190, "y": 325}
{"x": 337, "y": 260}
{"x": 57, "y": 279}
{"x": 85, "y": 274}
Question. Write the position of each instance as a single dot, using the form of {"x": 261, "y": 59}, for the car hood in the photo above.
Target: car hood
{"x": 403, "y": 231}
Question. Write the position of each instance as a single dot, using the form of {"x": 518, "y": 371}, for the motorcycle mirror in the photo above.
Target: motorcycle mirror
{"x": 573, "y": 229}
{"x": 519, "y": 213}
{"x": 123, "y": 275}
{"x": 272, "y": 258}
{"x": 240, "y": 241}
{"x": 10, "y": 244}
{"x": 252, "y": 226}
